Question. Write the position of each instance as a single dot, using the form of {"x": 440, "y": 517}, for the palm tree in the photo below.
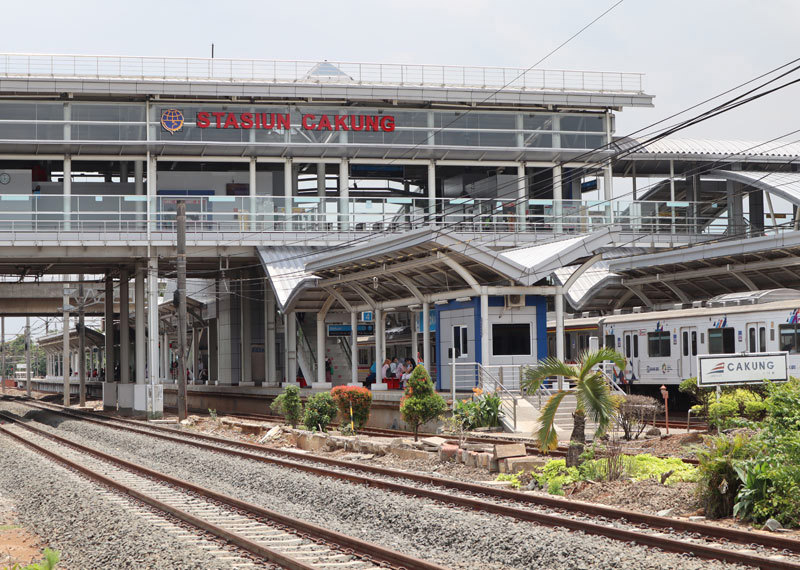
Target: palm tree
{"x": 591, "y": 391}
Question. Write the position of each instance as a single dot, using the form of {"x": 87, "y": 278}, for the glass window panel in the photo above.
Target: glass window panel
{"x": 107, "y": 112}
{"x": 18, "y": 131}
{"x": 685, "y": 339}
{"x": 538, "y": 140}
{"x": 635, "y": 346}
{"x": 537, "y": 122}
{"x": 586, "y": 123}
{"x": 721, "y": 341}
{"x": 788, "y": 338}
{"x": 762, "y": 339}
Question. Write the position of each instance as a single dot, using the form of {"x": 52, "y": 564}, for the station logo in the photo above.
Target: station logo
{"x": 719, "y": 368}
{"x": 172, "y": 120}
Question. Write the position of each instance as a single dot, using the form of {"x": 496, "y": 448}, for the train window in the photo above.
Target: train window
{"x": 751, "y": 339}
{"x": 762, "y": 339}
{"x": 610, "y": 341}
{"x": 635, "y": 346}
{"x": 658, "y": 344}
{"x": 694, "y": 343}
{"x": 685, "y": 339}
{"x": 788, "y": 338}
{"x": 627, "y": 346}
{"x": 721, "y": 341}
{"x": 772, "y": 335}
{"x": 511, "y": 340}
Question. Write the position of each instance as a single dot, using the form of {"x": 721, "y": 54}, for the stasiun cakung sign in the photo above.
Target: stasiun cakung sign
{"x": 754, "y": 368}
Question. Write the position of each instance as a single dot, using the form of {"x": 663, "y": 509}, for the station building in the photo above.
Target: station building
{"x": 337, "y": 212}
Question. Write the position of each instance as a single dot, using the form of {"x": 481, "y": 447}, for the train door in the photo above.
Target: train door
{"x": 630, "y": 342}
{"x": 757, "y": 337}
{"x": 688, "y": 358}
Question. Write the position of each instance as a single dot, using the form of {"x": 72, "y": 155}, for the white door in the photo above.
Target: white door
{"x": 756, "y": 337}
{"x": 630, "y": 347}
{"x": 688, "y": 358}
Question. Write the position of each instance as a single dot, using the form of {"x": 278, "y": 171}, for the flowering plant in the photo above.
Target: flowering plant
{"x": 353, "y": 403}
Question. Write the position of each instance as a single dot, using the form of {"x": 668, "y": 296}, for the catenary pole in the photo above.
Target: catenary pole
{"x": 82, "y": 345}
{"x": 181, "y": 310}
{"x": 3, "y": 351}
{"x": 28, "y": 354}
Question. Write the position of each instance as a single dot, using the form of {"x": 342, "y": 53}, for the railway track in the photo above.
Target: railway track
{"x": 676, "y": 535}
{"x": 282, "y": 541}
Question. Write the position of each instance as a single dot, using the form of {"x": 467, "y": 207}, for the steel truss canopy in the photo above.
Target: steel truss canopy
{"x": 700, "y": 272}
{"x": 425, "y": 265}
{"x": 54, "y": 343}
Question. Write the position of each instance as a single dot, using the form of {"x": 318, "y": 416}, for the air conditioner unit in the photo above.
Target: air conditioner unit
{"x": 636, "y": 310}
{"x": 515, "y": 301}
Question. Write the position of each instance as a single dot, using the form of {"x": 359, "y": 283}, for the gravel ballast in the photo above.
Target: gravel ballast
{"x": 452, "y": 537}
{"x": 88, "y": 529}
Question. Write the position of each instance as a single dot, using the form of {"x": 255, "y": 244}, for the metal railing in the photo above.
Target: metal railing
{"x": 464, "y": 376}
{"x": 255, "y": 214}
{"x": 314, "y": 72}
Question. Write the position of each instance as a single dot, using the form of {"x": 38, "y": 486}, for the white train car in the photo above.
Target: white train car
{"x": 661, "y": 347}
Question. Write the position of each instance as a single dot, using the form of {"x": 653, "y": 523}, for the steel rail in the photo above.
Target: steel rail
{"x": 366, "y": 550}
{"x": 633, "y": 517}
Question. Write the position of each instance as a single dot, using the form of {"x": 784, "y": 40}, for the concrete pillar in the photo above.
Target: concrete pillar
{"x": 65, "y": 346}
{"x": 735, "y": 208}
{"x": 124, "y": 328}
{"x": 354, "y": 347}
{"x": 152, "y": 321}
{"x": 252, "y": 188}
{"x": 246, "y": 335}
{"x": 522, "y": 197}
{"x": 123, "y": 172}
{"x": 288, "y": 184}
{"x": 139, "y": 306}
{"x": 67, "y": 185}
{"x": 229, "y": 338}
{"x": 558, "y": 212}
{"x": 109, "y": 328}
{"x": 344, "y": 195}
{"x": 138, "y": 178}
{"x": 270, "y": 352}
{"x": 321, "y": 188}
{"x": 559, "y": 307}
{"x": 485, "y": 328}
{"x": 426, "y": 335}
{"x": 195, "y": 356}
{"x": 431, "y": 191}
{"x": 756, "y": 207}
{"x": 379, "y": 352}
{"x": 321, "y": 347}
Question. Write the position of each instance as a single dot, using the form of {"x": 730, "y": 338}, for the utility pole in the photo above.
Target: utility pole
{"x": 181, "y": 302}
{"x": 3, "y": 351}
{"x": 28, "y": 354}
{"x": 82, "y": 344}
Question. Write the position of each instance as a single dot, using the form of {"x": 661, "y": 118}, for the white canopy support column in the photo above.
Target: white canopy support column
{"x": 431, "y": 191}
{"x": 380, "y": 352}
{"x": 484, "y": 327}
{"x": 559, "y": 306}
{"x": 124, "y": 328}
{"x": 269, "y": 336}
{"x": 290, "y": 328}
{"x": 353, "y": 348}
{"x": 426, "y": 334}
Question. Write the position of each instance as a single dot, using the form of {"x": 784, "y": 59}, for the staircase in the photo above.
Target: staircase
{"x": 305, "y": 356}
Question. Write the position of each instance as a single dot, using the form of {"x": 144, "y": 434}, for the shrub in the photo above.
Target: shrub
{"x": 720, "y": 412}
{"x": 483, "y": 410}
{"x": 320, "y": 411}
{"x": 51, "y": 559}
{"x": 354, "y": 403}
{"x": 420, "y": 403}
{"x": 288, "y": 403}
{"x": 633, "y": 413}
{"x": 718, "y": 482}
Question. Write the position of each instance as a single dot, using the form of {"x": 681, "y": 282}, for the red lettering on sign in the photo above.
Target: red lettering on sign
{"x": 357, "y": 122}
{"x": 371, "y": 123}
{"x": 247, "y": 120}
{"x": 339, "y": 123}
{"x": 218, "y": 116}
{"x": 283, "y": 122}
{"x": 387, "y": 124}
{"x": 324, "y": 123}
{"x": 306, "y": 122}
{"x": 203, "y": 120}
{"x": 268, "y": 120}
{"x": 230, "y": 121}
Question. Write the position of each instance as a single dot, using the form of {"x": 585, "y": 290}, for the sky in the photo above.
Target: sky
{"x": 687, "y": 49}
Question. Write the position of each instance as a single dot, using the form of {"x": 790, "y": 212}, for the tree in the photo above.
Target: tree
{"x": 591, "y": 391}
{"x": 289, "y": 405}
{"x": 421, "y": 403}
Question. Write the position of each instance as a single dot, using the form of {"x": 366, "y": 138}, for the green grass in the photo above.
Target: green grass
{"x": 9, "y": 526}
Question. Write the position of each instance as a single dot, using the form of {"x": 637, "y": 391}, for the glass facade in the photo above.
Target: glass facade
{"x": 308, "y": 125}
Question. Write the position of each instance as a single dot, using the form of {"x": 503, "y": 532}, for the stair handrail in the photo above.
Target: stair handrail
{"x": 506, "y": 395}
{"x": 308, "y": 353}
{"x": 610, "y": 378}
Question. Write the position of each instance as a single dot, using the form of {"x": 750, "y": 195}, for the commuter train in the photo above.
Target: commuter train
{"x": 661, "y": 347}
